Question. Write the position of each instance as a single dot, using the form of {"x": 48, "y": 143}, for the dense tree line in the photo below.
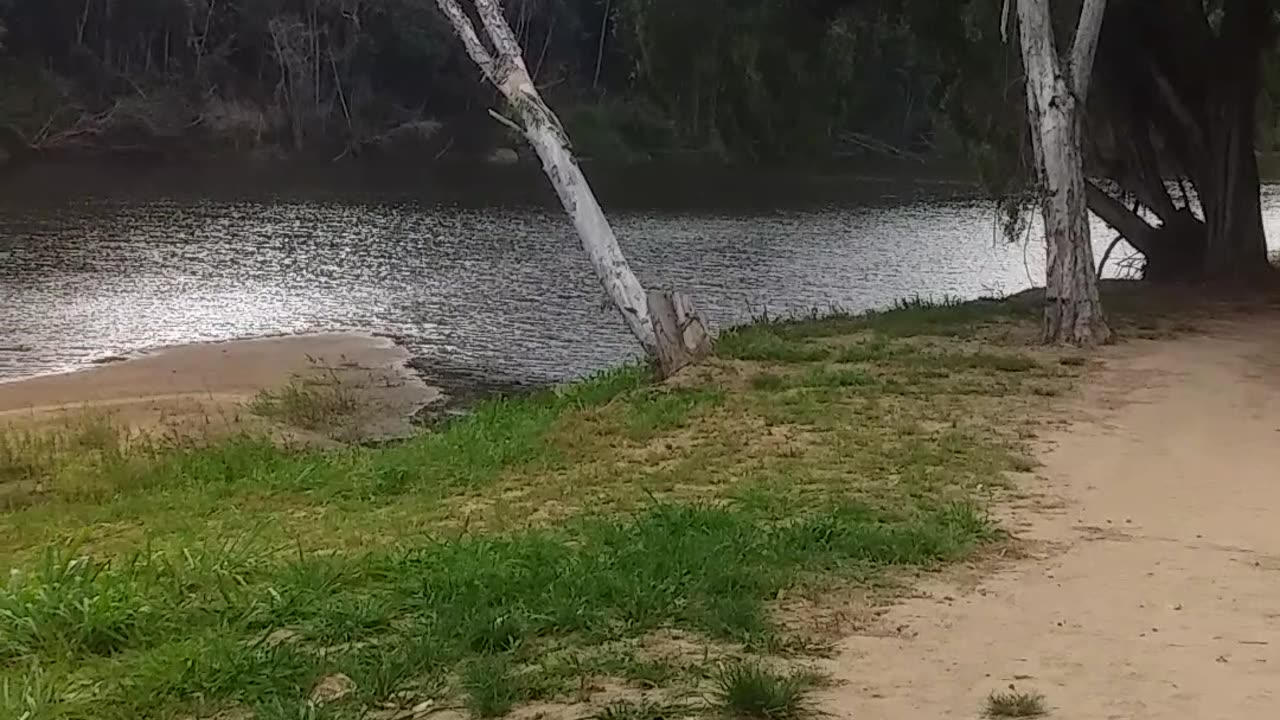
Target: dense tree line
{"x": 738, "y": 79}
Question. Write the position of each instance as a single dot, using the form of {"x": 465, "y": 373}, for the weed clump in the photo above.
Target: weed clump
{"x": 752, "y": 691}
{"x": 1015, "y": 704}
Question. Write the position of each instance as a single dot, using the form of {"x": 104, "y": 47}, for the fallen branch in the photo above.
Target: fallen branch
{"x": 880, "y": 147}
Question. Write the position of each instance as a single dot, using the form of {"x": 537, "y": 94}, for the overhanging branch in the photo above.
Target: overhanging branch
{"x": 1121, "y": 219}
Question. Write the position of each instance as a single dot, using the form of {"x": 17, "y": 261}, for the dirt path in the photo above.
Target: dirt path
{"x": 1154, "y": 586}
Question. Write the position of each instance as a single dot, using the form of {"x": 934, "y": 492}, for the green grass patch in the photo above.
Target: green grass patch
{"x": 657, "y": 412}
{"x": 245, "y": 627}
{"x": 946, "y": 317}
{"x": 763, "y": 342}
{"x": 491, "y": 686}
{"x": 836, "y": 378}
{"x": 513, "y": 553}
{"x": 907, "y": 318}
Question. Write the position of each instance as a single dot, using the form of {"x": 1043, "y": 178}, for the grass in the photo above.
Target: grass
{"x": 313, "y": 403}
{"x": 491, "y": 688}
{"x": 1014, "y": 704}
{"x": 749, "y": 690}
{"x": 515, "y": 553}
{"x": 644, "y": 710}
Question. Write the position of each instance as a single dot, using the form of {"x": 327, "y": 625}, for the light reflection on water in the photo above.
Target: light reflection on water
{"x": 501, "y": 290}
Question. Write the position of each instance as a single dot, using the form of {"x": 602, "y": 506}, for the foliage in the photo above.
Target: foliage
{"x": 750, "y": 79}
{"x": 770, "y": 78}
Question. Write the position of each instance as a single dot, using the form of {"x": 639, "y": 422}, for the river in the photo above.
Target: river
{"x": 477, "y": 271}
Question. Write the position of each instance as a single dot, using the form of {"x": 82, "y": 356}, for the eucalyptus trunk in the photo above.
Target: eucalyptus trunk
{"x": 664, "y": 322}
{"x": 1073, "y": 310}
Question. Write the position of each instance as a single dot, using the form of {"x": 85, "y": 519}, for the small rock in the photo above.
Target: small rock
{"x": 331, "y": 688}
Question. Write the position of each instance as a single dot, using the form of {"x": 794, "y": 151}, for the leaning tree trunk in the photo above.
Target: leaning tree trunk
{"x": 1073, "y": 309}
{"x": 664, "y": 322}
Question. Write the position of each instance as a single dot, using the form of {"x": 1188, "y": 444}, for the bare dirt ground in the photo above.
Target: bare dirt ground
{"x": 1152, "y": 586}
{"x": 180, "y": 387}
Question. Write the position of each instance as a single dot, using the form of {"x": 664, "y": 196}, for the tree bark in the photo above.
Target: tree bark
{"x": 1235, "y": 243}
{"x": 505, "y": 68}
{"x": 1073, "y": 309}
{"x": 681, "y": 335}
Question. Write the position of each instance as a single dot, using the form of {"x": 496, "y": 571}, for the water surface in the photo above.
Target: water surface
{"x": 477, "y": 272}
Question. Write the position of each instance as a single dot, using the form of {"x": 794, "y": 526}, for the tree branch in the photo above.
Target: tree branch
{"x": 470, "y": 40}
{"x": 504, "y": 40}
{"x": 1102, "y": 264}
{"x": 1086, "y": 46}
{"x": 505, "y": 121}
{"x": 1144, "y": 178}
{"x": 1121, "y": 219}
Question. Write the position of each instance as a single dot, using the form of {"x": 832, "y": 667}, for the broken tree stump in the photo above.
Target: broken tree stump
{"x": 681, "y": 335}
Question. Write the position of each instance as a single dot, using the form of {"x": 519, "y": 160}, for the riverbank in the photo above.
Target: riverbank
{"x": 226, "y": 388}
{"x": 612, "y": 546}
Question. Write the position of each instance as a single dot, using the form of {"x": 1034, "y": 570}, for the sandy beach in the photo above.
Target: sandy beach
{"x": 209, "y": 383}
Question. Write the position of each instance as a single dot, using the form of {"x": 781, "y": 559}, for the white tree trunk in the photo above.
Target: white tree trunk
{"x": 505, "y": 68}
{"x": 1055, "y": 99}
{"x": 544, "y": 133}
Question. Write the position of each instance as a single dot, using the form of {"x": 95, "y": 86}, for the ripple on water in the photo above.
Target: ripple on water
{"x": 501, "y": 290}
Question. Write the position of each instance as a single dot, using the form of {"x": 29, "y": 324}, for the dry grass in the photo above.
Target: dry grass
{"x": 1015, "y": 704}
{"x": 517, "y": 552}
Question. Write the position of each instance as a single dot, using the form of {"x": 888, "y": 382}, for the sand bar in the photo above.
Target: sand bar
{"x": 174, "y": 385}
